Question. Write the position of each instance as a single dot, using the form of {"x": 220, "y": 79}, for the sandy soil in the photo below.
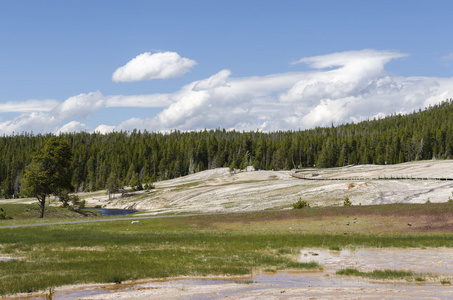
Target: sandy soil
{"x": 220, "y": 191}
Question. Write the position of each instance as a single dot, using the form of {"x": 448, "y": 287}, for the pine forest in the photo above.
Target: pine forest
{"x": 141, "y": 157}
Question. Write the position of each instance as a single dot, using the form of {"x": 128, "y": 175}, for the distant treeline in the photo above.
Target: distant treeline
{"x": 145, "y": 157}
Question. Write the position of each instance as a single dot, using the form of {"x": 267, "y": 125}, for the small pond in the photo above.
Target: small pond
{"x": 114, "y": 211}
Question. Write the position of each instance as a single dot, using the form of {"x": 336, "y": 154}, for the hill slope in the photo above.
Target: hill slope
{"x": 220, "y": 191}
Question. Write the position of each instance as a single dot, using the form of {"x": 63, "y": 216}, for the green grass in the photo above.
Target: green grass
{"x": 117, "y": 251}
{"x": 270, "y": 270}
{"x": 158, "y": 248}
{"x": 383, "y": 274}
{"x": 185, "y": 185}
{"x": 334, "y": 248}
{"x": 31, "y": 211}
{"x": 286, "y": 251}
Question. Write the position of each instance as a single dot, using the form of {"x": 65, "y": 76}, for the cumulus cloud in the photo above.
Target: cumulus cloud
{"x": 72, "y": 126}
{"x": 342, "y": 87}
{"x": 82, "y": 105}
{"x": 149, "y": 66}
{"x": 103, "y": 129}
{"x": 219, "y": 79}
{"x": 29, "y": 122}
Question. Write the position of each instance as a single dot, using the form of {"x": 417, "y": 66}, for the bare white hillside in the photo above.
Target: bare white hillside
{"x": 218, "y": 190}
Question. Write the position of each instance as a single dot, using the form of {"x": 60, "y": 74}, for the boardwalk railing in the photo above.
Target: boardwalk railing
{"x": 384, "y": 177}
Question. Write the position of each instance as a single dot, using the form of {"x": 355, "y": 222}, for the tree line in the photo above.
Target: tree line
{"x": 140, "y": 157}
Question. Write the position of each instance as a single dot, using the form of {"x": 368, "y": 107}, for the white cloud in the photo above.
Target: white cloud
{"x": 82, "y": 105}
{"x": 72, "y": 126}
{"x": 344, "y": 87}
{"x": 348, "y": 86}
{"x": 145, "y": 101}
{"x": 29, "y": 122}
{"x": 219, "y": 79}
{"x": 28, "y": 106}
{"x": 148, "y": 66}
{"x": 369, "y": 57}
{"x": 103, "y": 129}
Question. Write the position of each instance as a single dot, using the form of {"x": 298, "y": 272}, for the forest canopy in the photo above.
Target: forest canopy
{"x": 143, "y": 157}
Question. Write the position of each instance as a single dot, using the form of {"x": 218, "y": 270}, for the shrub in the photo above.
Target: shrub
{"x": 149, "y": 186}
{"x": 71, "y": 202}
{"x": 301, "y": 204}
{"x": 346, "y": 202}
{"x": 3, "y": 215}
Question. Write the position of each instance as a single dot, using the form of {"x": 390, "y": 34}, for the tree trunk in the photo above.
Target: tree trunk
{"x": 42, "y": 204}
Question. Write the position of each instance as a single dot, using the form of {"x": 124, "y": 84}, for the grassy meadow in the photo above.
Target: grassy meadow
{"x": 223, "y": 244}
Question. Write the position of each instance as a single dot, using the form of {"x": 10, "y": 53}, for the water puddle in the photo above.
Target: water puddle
{"x": 318, "y": 283}
{"x": 5, "y": 259}
{"x": 114, "y": 211}
{"x": 209, "y": 288}
{"x": 437, "y": 261}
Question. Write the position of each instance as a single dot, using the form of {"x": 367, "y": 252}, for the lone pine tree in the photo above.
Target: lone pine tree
{"x": 49, "y": 171}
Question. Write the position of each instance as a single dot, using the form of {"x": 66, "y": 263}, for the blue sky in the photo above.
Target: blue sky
{"x": 245, "y": 65}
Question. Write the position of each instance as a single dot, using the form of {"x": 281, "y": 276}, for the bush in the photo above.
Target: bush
{"x": 301, "y": 204}
{"x": 346, "y": 202}
{"x": 149, "y": 186}
{"x": 3, "y": 215}
{"x": 71, "y": 202}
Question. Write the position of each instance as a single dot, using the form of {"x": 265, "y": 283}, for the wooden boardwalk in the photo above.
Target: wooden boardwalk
{"x": 384, "y": 177}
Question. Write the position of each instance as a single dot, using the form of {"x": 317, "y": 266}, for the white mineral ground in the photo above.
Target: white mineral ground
{"x": 220, "y": 191}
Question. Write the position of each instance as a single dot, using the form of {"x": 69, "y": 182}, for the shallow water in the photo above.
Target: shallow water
{"x": 279, "y": 279}
{"x": 257, "y": 283}
{"x": 114, "y": 211}
{"x": 437, "y": 260}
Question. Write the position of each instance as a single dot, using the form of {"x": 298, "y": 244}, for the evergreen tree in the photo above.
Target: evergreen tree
{"x": 49, "y": 172}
